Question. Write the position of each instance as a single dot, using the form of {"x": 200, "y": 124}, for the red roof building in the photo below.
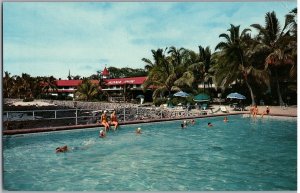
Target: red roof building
{"x": 116, "y": 88}
{"x": 125, "y": 81}
{"x": 105, "y": 72}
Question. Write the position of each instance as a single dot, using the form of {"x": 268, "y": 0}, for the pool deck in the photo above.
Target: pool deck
{"x": 274, "y": 111}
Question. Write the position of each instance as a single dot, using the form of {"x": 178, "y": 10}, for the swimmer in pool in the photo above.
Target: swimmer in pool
{"x": 225, "y": 119}
{"x": 193, "y": 122}
{"x": 102, "y": 134}
{"x": 138, "y": 131}
{"x": 62, "y": 149}
{"x": 209, "y": 124}
{"x": 182, "y": 126}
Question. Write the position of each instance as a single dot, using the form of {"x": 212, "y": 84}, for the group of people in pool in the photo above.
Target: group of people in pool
{"x": 185, "y": 123}
{"x": 106, "y": 123}
{"x": 254, "y": 111}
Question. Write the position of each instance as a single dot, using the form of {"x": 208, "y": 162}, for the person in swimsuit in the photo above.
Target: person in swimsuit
{"x": 104, "y": 121}
{"x": 114, "y": 120}
{"x": 255, "y": 111}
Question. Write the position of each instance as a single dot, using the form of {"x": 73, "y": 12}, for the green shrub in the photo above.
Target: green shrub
{"x": 159, "y": 101}
{"x": 28, "y": 99}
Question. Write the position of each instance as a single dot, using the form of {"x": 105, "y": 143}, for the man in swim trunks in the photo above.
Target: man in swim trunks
{"x": 104, "y": 121}
{"x": 114, "y": 120}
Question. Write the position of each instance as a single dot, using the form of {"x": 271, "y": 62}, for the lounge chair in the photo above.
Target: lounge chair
{"x": 204, "y": 106}
{"x": 224, "y": 109}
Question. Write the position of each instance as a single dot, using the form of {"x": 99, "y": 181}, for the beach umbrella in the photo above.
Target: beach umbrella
{"x": 202, "y": 97}
{"x": 235, "y": 95}
{"x": 140, "y": 96}
{"x": 181, "y": 94}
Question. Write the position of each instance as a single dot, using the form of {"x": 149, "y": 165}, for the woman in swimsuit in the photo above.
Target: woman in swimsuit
{"x": 114, "y": 120}
{"x": 104, "y": 121}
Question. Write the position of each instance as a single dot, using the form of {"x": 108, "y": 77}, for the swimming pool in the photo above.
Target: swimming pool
{"x": 242, "y": 154}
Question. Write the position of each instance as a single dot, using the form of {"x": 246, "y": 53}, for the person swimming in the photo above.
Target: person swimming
{"x": 182, "y": 126}
{"x": 225, "y": 119}
{"x": 209, "y": 124}
{"x": 193, "y": 122}
{"x": 62, "y": 149}
{"x": 102, "y": 134}
{"x": 138, "y": 131}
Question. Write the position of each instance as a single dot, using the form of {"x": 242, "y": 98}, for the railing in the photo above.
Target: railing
{"x": 77, "y": 116}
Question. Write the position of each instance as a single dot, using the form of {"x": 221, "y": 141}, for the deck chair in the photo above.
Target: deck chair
{"x": 224, "y": 109}
{"x": 204, "y": 106}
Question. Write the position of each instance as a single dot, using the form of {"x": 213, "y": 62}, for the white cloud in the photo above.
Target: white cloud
{"x": 85, "y": 36}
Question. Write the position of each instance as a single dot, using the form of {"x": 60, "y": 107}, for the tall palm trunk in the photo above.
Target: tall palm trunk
{"x": 278, "y": 89}
{"x": 251, "y": 92}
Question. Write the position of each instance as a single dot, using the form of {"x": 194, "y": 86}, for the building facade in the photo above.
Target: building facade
{"x": 116, "y": 89}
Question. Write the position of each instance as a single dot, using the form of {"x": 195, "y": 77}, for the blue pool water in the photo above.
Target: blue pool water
{"x": 242, "y": 154}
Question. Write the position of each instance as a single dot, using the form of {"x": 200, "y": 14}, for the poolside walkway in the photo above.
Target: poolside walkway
{"x": 274, "y": 110}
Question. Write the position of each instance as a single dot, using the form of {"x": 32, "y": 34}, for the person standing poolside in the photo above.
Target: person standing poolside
{"x": 251, "y": 110}
{"x": 266, "y": 112}
{"x": 104, "y": 121}
{"x": 255, "y": 111}
{"x": 114, "y": 120}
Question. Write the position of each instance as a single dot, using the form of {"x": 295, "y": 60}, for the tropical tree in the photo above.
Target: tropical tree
{"x": 234, "y": 59}
{"x": 7, "y": 85}
{"x": 87, "y": 90}
{"x": 48, "y": 84}
{"x": 279, "y": 45}
{"x": 161, "y": 74}
{"x": 204, "y": 64}
{"x": 21, "y": 86}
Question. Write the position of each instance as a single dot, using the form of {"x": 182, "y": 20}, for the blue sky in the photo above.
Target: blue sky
{"x": 51, "y": 38}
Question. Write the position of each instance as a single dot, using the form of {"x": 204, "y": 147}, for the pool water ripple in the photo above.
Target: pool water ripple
{"x": 243, "y": 154}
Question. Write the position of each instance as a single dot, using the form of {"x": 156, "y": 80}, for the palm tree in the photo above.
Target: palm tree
{"x": 161, "y": 74}
{"x": 49, "y": 84}
{"x": 87, "y": 90}
{"x": 21, "y": 86}
{"x": 233, "y": 58}
{"x": 279, "y": 45}
{"x": 7, "y": 85}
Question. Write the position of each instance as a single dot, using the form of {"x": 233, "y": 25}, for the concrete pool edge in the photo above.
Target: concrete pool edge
{"x": 62, "y": 128}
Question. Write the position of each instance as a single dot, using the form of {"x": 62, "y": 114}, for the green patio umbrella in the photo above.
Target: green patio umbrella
{"x": 202, "y": 97}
